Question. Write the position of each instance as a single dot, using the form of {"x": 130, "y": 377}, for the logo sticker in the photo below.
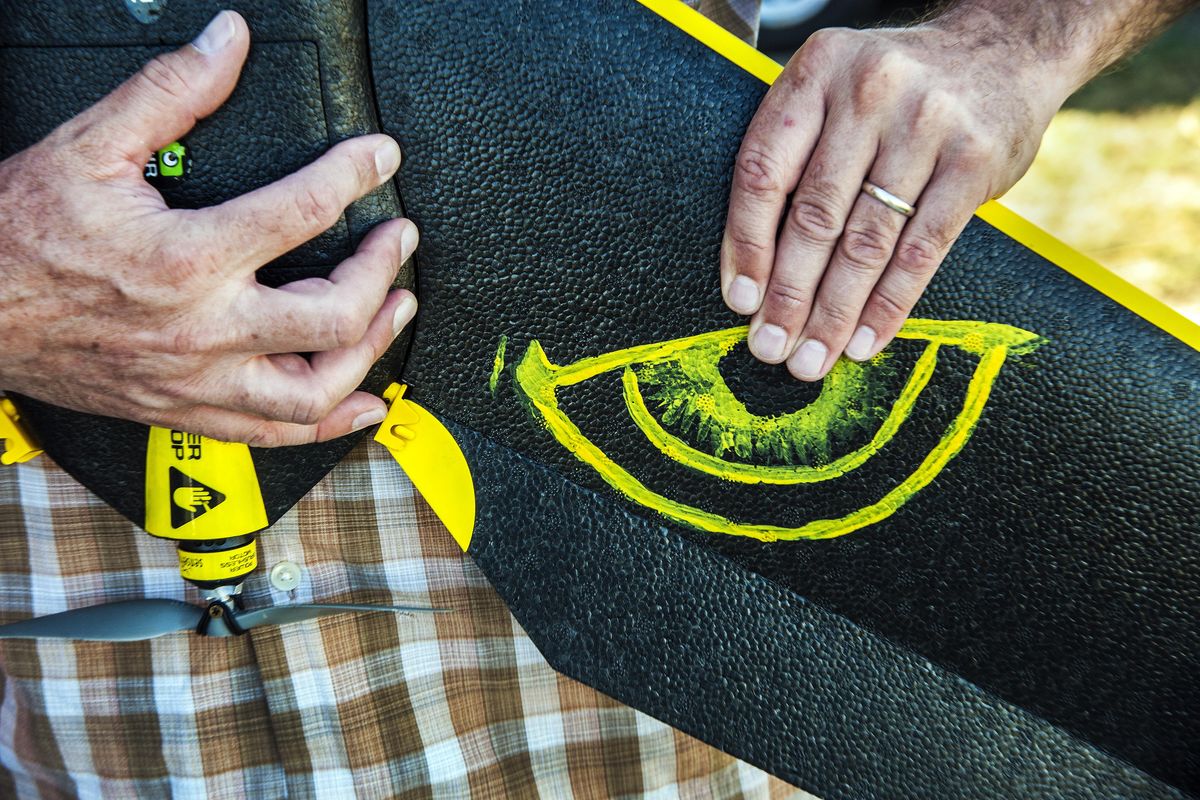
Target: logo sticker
{"x": 168, "y": 167}
{"x": 182, "y": 501}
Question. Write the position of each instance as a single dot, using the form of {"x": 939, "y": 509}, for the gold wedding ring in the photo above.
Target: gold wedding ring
{"x": 888, "y": 199}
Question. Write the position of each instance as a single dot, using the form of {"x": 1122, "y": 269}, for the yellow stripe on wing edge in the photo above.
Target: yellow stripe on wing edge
{"x": 1100, "y": 278}
{"x": 1060, "y": 254}
{"x": 700, "y": 27}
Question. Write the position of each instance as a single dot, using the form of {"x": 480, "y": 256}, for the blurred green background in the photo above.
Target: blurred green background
{"x": 1118, "y": 175}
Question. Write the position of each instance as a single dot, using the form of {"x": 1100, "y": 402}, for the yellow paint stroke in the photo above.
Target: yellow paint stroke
{"x": 678, "y": 450}
{"x": 539, "y": 380}
{"x": 1062, "y": 255}
{"x": 497, "y": 365}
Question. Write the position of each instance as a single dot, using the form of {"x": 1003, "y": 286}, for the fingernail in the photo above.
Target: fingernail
{"x": 372, "y": 417}
{"x": 861, "y": 344}
{"x": 743, "y": 295}
{"x": 808, "y": 359}
{"x": 220, "y": 32}
{"x": 408, "y": 241}
{"x": 404, "y": 314}
{"x": 769, "y": 342}
{"x": 387, "y": 159}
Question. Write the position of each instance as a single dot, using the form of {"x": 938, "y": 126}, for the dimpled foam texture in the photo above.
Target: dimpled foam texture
{"x": 1024, "y": 626}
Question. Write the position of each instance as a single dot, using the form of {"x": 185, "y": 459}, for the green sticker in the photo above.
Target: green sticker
{"x": 169, "y": 166}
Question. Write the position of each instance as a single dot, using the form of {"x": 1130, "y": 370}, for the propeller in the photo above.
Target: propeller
{"x": 134, "y": 620}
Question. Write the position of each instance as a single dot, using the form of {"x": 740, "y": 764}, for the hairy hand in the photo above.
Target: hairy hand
{"x": 942, "y": 120}
{"x": 114, "y": 304}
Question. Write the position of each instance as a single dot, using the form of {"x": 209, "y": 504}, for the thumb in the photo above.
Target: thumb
{"x": 170, "y": 93}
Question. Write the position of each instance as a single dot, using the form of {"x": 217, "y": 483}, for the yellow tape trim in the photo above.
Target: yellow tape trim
{"x": 1090, "y": 272}
{"x": 227, "y": 565}
{"x": 1065, "y": 257}
{"x": 698, "y": 26}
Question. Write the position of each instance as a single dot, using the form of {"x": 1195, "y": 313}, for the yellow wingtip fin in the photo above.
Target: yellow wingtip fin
{"x": 18, "y": 445}
{"x": 433, "y": 461}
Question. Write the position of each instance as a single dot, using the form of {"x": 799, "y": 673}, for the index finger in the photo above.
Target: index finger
{"x": 268, "y": 222}
{"x": 777, "y": 145}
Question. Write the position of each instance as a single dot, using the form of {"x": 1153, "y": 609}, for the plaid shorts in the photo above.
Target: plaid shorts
{"x": 366, "y": 705}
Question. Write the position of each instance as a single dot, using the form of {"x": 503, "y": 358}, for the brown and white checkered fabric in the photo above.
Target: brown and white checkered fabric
{"x": 359, "y": 705}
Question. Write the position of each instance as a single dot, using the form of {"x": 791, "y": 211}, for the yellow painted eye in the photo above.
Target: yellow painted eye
{"x": 676, "y": 394}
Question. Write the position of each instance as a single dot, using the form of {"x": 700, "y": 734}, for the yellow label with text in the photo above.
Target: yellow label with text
{"x": 199, "y": 488}
{"x": 223, "y": 566}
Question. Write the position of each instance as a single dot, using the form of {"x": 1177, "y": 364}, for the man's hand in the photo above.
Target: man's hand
{"x": 936, "y": 121}
{"x": 114, "y": 304}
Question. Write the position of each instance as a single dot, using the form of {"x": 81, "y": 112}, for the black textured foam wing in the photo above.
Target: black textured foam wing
{"x": 1023, "y": 627}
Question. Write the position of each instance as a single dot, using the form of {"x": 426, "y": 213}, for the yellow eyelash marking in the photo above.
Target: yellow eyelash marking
{"x": 497, "y": 365}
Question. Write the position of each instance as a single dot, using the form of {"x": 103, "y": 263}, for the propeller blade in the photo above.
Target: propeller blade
{"x": 122, "y": 621}
{"x": 282, "y": 615}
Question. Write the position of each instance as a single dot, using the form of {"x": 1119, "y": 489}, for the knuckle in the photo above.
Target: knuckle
{"x": 198, "y": 337}
{"x": 919, "y": 256}
{"x": 892, "y": 64}
{"x": 309, "y": 408}
{"x": 184, "y": 261}
{"x": 265, "y": 434}
{"x": 183, "y": 341}
{"x": 812, "y": 216}
{"x": 163, "y": 75}
{"x": 936, "y": 109}
{"x": 758, "y": 171}
{"x": 833, "y": 317}
{"x": 361, "y": 165}
{"x": 746, "y": 248}
{"x": 788, "y": 297}
{"x": 346, "y": 327}
{"x": 173, "y": 253}
{"x": 865, "y": 249}
{"x": 825, "y": 43}
{"x": 972, "y": 154}
{"x": 155, "y": 399}
{"x": 878, "y": 79}
{"x": 318, "y": 206}
{"x": 884, "y": 306}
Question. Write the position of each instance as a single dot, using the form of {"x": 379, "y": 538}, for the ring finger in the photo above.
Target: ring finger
{"x": 811, "y": 229}
{"x": 860, "y": 257}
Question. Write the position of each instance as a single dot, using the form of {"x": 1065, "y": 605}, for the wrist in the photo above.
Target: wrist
{"x": 1025, "y": 47}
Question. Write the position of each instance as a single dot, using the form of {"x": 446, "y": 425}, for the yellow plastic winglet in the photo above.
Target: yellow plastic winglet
{"x": 433, "y": 461}
{"x": 18, "y": 447}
